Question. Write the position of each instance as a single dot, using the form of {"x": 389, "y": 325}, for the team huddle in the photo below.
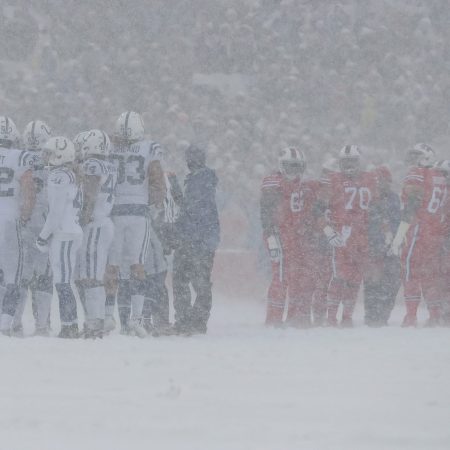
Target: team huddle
{"x": 325, "y": 237}
{"x": 78, "y": 215}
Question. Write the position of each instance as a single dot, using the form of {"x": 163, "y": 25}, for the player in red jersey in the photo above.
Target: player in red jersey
{"x": 348, "y": 196}
{"x": 287, "y": 220}
{"x": 420, "y": 236}
{"x": 444, "y": 168}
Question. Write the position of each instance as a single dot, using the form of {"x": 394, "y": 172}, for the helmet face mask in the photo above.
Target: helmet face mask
{"x": 350, "y": 160}
{"x": 350, "y": 165}
{"x": 292, "y": 169}
{"x": 291, "y": 162}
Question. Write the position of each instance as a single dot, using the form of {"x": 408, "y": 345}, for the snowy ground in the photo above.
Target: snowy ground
{"x": 239, "y": 387}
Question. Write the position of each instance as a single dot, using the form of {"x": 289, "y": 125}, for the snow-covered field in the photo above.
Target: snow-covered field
{"x": 240, "y": 387}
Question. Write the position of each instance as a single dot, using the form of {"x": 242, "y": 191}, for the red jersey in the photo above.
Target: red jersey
{"x": 431, "y": 211}
{"x": 350, "y": 198}
{"x": 287, "y": 205}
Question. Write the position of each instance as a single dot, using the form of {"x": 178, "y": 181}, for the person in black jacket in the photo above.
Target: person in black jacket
{"x": 380, "y": 294}
{"x": 198, "y": 233}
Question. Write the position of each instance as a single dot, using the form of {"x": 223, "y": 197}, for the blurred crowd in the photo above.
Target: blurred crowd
{"x": 243, "y": 77}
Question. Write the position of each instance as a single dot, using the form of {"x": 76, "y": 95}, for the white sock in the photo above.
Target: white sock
{"x": 137, "y": 305}
{"x": 20, "y": 308}
{"x": 6, "y": 322}
{"x": 95, "y": 303}
{"x": 43, "y": 303}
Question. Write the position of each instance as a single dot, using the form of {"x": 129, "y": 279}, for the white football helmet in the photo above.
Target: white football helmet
{"x": 96, "y": 143}
{"x": 79, "y": 143}
{"x": 350, "y": 159}
{"x": 291, "y": 162}
{"x": 421, "y": 155}
{"x": 9, "y": 136}
{"x": 36, "y": 134}
{"x": 444, "y": 167}
{"x": 58, "y": 151}
{"x": 129, "y": 127}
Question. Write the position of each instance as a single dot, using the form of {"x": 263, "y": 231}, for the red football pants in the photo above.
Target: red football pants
{"x": 292, "y": 277}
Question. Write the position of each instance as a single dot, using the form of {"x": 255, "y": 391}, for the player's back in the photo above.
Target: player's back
{"x": 13, "y": 164}
{"x": 40, "y": 175}
{"x": 65, "y": 196}
{"x": 433, "y": 187}
{"x": 132, "y": 163}
{"x": 107, "y": 173}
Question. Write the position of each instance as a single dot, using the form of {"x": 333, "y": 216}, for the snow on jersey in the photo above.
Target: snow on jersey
{"x": 132, "y": 163}
{"x": 40, "y": 175}
{"x": 292, "y": 214}
{"x": 65, "y": 200}
{"x": 13, "y": 164}
{"x": 108, "y": 181}
{"x": 430, "y": 212}
{"x": 349, "y": 200}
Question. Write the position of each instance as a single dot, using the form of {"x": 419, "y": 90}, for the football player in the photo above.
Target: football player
{"x": 288, "y": 222}
{"x": 156, "y": 306}
{"x": 99, "y": 179}
{"x": 347, "y": 196}
{"x": 36, "y": 270}
{"x": 140, "y": 191}
{"x": 17, "y": 197}
{"x": 421, "y": 234}
{"x": 61, "y": 234}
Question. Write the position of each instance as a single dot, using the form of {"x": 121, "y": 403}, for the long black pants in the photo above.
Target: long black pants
{"x": 380, "y": 295}
{"x": 192, "y": 264}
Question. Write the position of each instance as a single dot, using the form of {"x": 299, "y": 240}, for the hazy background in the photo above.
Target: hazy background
{"x": 245, "y": 77}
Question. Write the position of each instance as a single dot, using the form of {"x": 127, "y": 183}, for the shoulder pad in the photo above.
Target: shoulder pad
{"x": 95, "y": 167}
{"x": 61, "y": 177}
{"x": 415, "y": 175}
{"x": 272, "y": 181}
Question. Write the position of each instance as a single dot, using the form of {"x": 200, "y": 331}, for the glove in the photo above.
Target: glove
{"x": 397, "y": 242}
{"x": 273, "y": 244}
{"x": 23, "y": 222}
{"x": 42, "y": 245}
{"x": 334, "y": 238}
{"x": 388, "y": 238}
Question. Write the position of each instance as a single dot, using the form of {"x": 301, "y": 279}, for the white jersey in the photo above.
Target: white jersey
{"x": 108, "y": 181}
{"x": 40, "y": 175}
{"x": 13, "y": 164}
{"x": 65, "y": 200}
{"x": 132, "y": 163}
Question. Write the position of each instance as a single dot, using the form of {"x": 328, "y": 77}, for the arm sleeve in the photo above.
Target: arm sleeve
{"x": 57, "y": 194}
{"x": 269, "y": 206}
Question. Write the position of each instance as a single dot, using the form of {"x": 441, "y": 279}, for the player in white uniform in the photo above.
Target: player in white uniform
{"x": 140, "y": 189}
{"x": 36, "y": 268}
{"x": 61, "y": 234}
{"x": 156, "y": 305}
{"x": 16, "y": 204}
{"x": 99, "y": 184}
